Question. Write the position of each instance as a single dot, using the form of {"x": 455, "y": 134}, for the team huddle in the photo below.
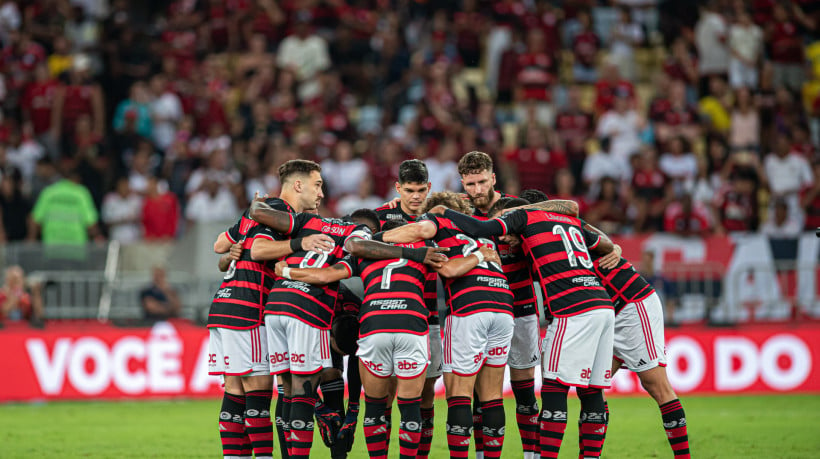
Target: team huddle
{"x": 282, "y": 318}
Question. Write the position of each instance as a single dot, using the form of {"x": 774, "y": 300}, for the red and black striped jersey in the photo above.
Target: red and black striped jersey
{"x": 386, "y": 214}
{"x": 347, "y": 301}
{"x": 516, "y": 266}
{"x": 558, "y": 246}
{"x": 240, "y": 300}
{"x": 312, "y": 304}
{"x": 623, "y": 283}
{"x": 483, "y": 288}
{"x": 393, "y": 294}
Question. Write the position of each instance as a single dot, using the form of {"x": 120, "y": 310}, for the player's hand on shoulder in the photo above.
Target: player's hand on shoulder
{"x": 392, "y": 204}
{"x": 438, "y": 210}
{"x": 317, "y": 243}
{"x": 280, "y": 265}
{"x": 259, "y": 203}
{"x": 490, "y": 255}
{"x": 435, "y": 256}
{"x": 236, "y": 251}
{"x": 611, "y": 259}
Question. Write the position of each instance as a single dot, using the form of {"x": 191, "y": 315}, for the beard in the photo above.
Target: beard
{"x": 483, "y": 200}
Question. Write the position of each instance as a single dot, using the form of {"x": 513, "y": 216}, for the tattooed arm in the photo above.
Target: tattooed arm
{"x": 380, "y": 251}
{"x": 559, "y": 206}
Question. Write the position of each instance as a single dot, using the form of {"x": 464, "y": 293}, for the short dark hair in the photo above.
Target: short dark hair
{"x": 450, "y": 200}
{"x": 506, "y": 203}
{"x": 297, "y": 167}
{"x": 475, "y": 162}
{"x": 345, "y": 329}
{"x": 393, "y": 224}
{"x": 413, "y": 171}
{"x": 532, "y": 196}
{"x": 367, "y": 216}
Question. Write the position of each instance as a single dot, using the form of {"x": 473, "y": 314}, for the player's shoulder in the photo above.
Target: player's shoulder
{"x": 384, "y": 209}
{"x": 278, "y": 204}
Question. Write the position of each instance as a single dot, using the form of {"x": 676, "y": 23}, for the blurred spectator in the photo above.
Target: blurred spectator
{"x": 214, "y": 202}
{"x": 781, "y": 224}
{"x": 786, "y": 47}
{"x": 143, "y": 164}
{"x": 788, "y": 174}
{"x": 535, "y": 162}
{"x": 122, "y": 212}
{"x": 673, "y": 115}
{"x": 23, "y": 151}
{"x": 737, "y": 204}
{"x": 166, "y": 111}
{"x": 710, "y": 38}
{"x": 686, "y": 217}
{"x": 678, "y": 163}
{"x": 365, "y": 199}
{"x": 608, "y": 210}
{"x": 14, "y": 208}
{"x": 80, "y": 96}
{"x": 811, "y": 201}
{"x": 159, "y": 300}
{"x": 651, "y": 192}
{"x": 37, "y": 106}
{"x": 603, "y": 164}
{"x": 625, "y": 36}
{"x": 65, "y": 214}
{"x": 611, "y": 86}
{"x": 442, "y": 169}
{"x": 19, "y": 301}
{"x": 682, "y": 63}
{"x": 744, "y": 131}
{"x": 716, "y": 106}
{"x": 622, "y": 125}
{"x": 745, "y": 47}
{"x": 585, "y": 47}
{"x": 536, "y": 75}
{"x": 574, "y": 126}
{"x": 61, "y": 58}
{"x": 160, "y": 211}
{"x": 136, "y": 108}
{"x": 306, "y": 54}
{"x": 343, "y": 172}
{"x": 565, "y": 188}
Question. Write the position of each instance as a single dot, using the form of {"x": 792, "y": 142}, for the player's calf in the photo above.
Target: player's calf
{"x": 410, "y": 427}
{"x": 553, "y": 417}
{"x": 459, "y": 426}
{"x": 374, "y": 426}
{"x": 526, "y": 415}
{"x": 593, "y": 421}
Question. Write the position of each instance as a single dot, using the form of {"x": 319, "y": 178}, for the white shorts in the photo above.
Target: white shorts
{"x": 237, "y": 352}
{"x": 296, "y": 347}
{"x": 525, "y": 348}
{"x": 578, "y": 349}
{"x": 639, "y": 341}
{"x": 434, "y": 369}
{"x": 473, "y": 340}
{"x": 401, "y": 354}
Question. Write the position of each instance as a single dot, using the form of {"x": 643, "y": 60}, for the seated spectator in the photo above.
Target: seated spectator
{"x": 737, "y": 205}
{"x": 137, "y": 107}
{"x": 65, "y": 213}
{"x": 678, "y": 163}
{"x": 715, "y": 107}
{"x": 365, "y": 199}
{"x": 574, "y": 126}
{"x": 17, "y": 300}
{"x": 626, "y": 35}
{"x": 686, "y": 217}
{"x": 682, "y": 64}
{"x": 159, "y": 300}
{"x": 608, "y": 210}
{"x": 610, "y": 86}
{"x": 673, "y": 115}
{"x": 160, "y": 212}
{"x": 781, "y": 224}
{"x": 535, "y": 78}
{"x": 651, "y": 192}
{"x": 121, "y": 212}
{"x": 585, "y": 48}
{"x": 306, "y": 53}
{"x": 535, "y": 162}
{"x": 786, "y": 46}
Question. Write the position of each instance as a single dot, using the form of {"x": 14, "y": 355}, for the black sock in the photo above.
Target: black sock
{"x": 593, "y": 420}
{"x": 428, "y": 427}
{"x": 279, "y": 415}
{"x": 526, "y": 414}
{"x": 333, "y": 394}
{"x": 478, "y": 432}
{"x": 493, "y": 420}
{"x": 553, "y": 417}
{"x": 674, "y": 422}
{"x": 257, "y": 422}
{"x": 301, "y": 425}
{"x": 388, "y": 422}
{"x": 459, "y": 426}
{"x": 409, "y": 427}
{"x": 374, "y": 426}
{"x": 232, "y": 426}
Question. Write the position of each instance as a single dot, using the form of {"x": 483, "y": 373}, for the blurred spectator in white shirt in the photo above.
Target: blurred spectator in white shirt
{"x": 781, "y": 224}
{"x": 212, "y": 203}
{"x": 745, "y": 46}
{"x": 342, "y": 172}
{"x": 788, "y": 174}
{"x": 710, "y": 40}
{"x": 622, "y": 125}
{"x": 364, "y": 199}
{"x": 442, "y": 169}
{"x": 122, "y": 212}
{"x": 306, "y": 53}
{"x": 625, "y": 36}
{"x": 166, "y": 111}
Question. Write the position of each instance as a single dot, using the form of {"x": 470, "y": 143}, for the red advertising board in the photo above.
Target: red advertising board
{"x": 92, "y": 361}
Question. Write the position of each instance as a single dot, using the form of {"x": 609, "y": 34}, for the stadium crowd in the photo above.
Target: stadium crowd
{"x": 655, "y": 116}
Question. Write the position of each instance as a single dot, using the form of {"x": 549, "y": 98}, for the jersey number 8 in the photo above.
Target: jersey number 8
{"x": 472, "y": 246}
{"x": 320, "y": 259}
{"x": 577, "y": 239}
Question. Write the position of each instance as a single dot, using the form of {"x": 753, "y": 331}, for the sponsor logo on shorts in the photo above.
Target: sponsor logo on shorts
{"x": 297, "y": 358}
{"x": 279, "y": 357}
{"x": 586, "y": 373}
{"x": 405, "y": 365}
{"x": 498, "y": 351}
{"x": 478, "y": 358}
{"x": 211, "y": 359}
{"x": 227, "y": 361}
{"x": 372, "y": 365}
{"x": 534, "y": 358}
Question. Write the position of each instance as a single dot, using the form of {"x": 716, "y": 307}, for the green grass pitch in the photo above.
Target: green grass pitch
{"x": 719, "y": 427}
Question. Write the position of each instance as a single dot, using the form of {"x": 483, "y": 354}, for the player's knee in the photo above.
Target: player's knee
{"x": 330, "y": 374}
{"x": 657, "y": 385}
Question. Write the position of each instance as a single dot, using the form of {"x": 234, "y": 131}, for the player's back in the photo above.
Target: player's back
{"x": 309, "y": 303}
{"x": 623, "y": 284}
{"x": 559, "y": 248}
{"x": 393, "y": 295}
{"x": 240, "y": 300}
{"x": 516, "y": 267}
{"x": 483, "y": 288}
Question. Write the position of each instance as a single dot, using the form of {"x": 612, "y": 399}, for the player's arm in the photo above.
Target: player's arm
{"x": 457, "y": 267}
{"x": 281, "y": 222}
{"x": 610, "y": 259}
{"x": 558, "y": 206}
{"x": 314, "y": 276}
{"x": 233, "y": 255}
{"x": 412, "y": 232}
{"x": 474, "y": 227}
{"x": 375, "y": 250}
{"x": 223, "y": 243}
{"x": 264, "y": 248}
